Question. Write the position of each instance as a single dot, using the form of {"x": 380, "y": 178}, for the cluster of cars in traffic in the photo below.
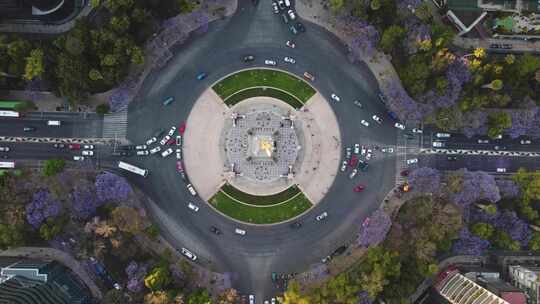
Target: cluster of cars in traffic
{"x": 288, "y": 15}
{"x": 86, "y": 151}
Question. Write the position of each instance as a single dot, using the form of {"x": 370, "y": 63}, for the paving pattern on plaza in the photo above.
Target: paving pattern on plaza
{"x": 262, "y": 145}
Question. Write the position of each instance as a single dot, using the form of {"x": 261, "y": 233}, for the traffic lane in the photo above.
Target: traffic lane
{"x": 479, "y": 162}
{"x": 75, "y": 128}
{"x": 48, "y": 151}
{"x": 460, "y": 140}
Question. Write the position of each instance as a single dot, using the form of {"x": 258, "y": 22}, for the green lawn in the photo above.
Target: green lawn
{"x": 260, "y": 200}
{"x": 260, "y": 215}
{"x": 268, "y": 92}
{"x": 263, "y": 77}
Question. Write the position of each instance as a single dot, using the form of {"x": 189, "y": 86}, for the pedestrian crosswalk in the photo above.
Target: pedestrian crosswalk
{"x": 408, "y": 147}
{"x": 115, "y": 125}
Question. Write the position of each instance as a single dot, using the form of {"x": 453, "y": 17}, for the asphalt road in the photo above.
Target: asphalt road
{"x": 252, "y": 258}
{"x": 79, "y": 125}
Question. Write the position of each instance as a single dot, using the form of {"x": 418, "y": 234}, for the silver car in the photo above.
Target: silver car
{"x": 155, "y": 150}
{"x": 167, "y": 152}
{"x": 151, "y": 141}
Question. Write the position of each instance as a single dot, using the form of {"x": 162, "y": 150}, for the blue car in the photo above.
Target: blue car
{"x": 201, "y": 76}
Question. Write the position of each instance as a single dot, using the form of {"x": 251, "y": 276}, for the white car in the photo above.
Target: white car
{"x": 356, "y": 148}
{"x": 438, "y": 144}
{"x": 191, "y": 189}
{"x": 164, "y": 140}
{"x": 188, "y": 254}
{"x": 143, "y": 152}
{"x": 87, "y": 153}
{"x": 442, "y": 135}
{"x": 155, "y": 150}
{"x": 368, "y": 154}
{"x": 171, "y": 131}
{"x": 239, "y": 231}
{"x": 417, "y": 131}
{"x": 365, "y": 123}
{"x": 343, "y": 166}
{"x": 78, "y": 158}
{"x": 141, "y": 147}
{"x": 291, "y": 14}
{"x": 353, "y": 173}
{"x": 377, "y": 119}
{"x": 290, "y": 44}
{"x": 178, "y": 140}
{"x": 358, "y": 104}
{"x": 167, "y": 152}
{"x": 399, "y": 126}
{"x": 4, "y": 149}
{"x": 88, "y": 147}
{"x": 178, "y": 154}
{"x": 387, "y": 150}
{"x": 483, "y": 141}
{"x": 151, "y": 141}
{"x": 412, "y": 161}
{"x": 321, "y": 216}
{"x": 270, "y": 62}
{"x": 501, "y": 170}
{"x": 289, "y": 60}
{"x": 525, "y": 141}
{"x": 275, "y": 7}
{"x": 363, "y": 150}
{"x": 193, "y": 207}
{"x": 348, "y": 153}
{"x": 251, "y": 299}
{"x": 335, "y": 97}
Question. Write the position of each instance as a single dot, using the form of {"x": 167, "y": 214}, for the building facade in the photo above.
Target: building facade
{"x": 526, "y": 278}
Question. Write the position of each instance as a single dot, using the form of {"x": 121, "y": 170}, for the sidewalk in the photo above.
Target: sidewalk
{"x": 48, "y": 102}
{"x": 47, "y": 253}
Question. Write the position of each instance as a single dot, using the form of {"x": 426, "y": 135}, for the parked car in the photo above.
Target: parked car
{"x": 364, "y": 122}
{"x": 141, "y": 147}
{"x": 335, "y": 97}
{"x": 178, "y": 140}
{"x": 151, "y": 141}
{"x": 289, "y": 60}
{"x": 321, "y": 216}
{"x": 188, "y": 254}
{"x": 193, "y": 207}
{"x": 270, "y": 62}
{"x": 178, "y": 153}
{"x": 353, "y": 173}
{"x": 356, "y": 148}
{"x": 290, "y": 44}
{"x": 182, "y": 128}
{"x": 167, "y": 152}
{"x": 343, "y": 166}
{"x": 143, "y": 152}
{"x": 348, "y": 153}
{"x": 191, "y": 189}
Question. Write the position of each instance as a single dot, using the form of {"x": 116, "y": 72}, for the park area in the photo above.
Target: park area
{"x": 259, "y": 78}
{"x": 264, "y": 91}
{"x": 271, "y": 209}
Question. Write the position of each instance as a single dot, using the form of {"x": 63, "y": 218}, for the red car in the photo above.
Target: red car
{"x": 179, "y": 166}
{"x": 182, "y": 128}
{"x": 404, "y": 173}
{"x": 170, "y": 142}
{"x": 359, "y": 188}
{"x": 354, "y": 161}
{"x": 74, "y": 146}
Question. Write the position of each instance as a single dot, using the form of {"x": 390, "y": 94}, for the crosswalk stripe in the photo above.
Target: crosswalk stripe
{"x": 115, "y": 125}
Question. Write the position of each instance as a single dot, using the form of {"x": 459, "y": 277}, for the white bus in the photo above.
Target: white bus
{"x": 7, "y": 164}
{"x": 7, "y": 113}
{"x": 132, "y": 168}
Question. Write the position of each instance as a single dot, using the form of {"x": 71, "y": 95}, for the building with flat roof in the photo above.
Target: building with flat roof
{"x": 458, "y": 289}
{"x": 526, "y": 278}
{"x": 30, "y": 281}
{"x": 515, "y": 6}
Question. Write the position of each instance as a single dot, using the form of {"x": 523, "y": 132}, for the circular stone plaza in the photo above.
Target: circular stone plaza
{"x": 260, "y": 160}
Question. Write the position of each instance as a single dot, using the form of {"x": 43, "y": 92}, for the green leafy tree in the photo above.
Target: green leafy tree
{"x": 117, "y": 5}
{"x": 424, "y": 12}
{"x": 137, "y": 56}
{"x": 114, "y": 296}
{"x": 495, "y": 85}
{"x": 336, "y": 5}
{"x": 293, "y": 296}
{"x": 502, "y": 240}
{"x": 158, "y": 278}
{"x": 200, "y": 296}
{"x": 52, "y": 227}
{"x": 119, "y": 24}
{"x": 95, "y": 75}
{"x": 483, "y": 230}
{"x": 442, "y": 35}
{"x": 498, "y": 122}
{"x": 34, "y": 65}
{"x": 392, "y": 38}
{"x": 25, "y": 106}
{"x": 102, "y": 108}
{"x": 534, "y": 242}
{"x": 449, "y": 119}
{"x": 53, "y": 167}
{"x": 10, "y": 236}
{"x": 375, "y": 4}
{"x": 415, "y": 75}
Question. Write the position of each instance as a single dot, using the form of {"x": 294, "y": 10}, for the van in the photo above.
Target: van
{"x": 442, "y": 135}
{"x": 168, "y": 101}
{"x": 55, "y": 123}
{"x": 191, "y": 189}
